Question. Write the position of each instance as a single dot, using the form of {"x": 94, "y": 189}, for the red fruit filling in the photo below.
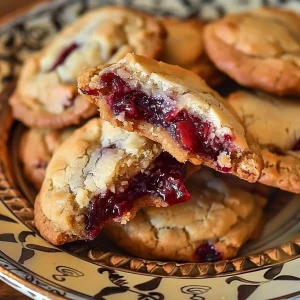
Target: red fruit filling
{"x": 207, "y": 252}
{"x": 297, "y": 146}
{"x": 192, "y": 133}
{"x": 63, "y": 55}
{"x": 164, "y": 178}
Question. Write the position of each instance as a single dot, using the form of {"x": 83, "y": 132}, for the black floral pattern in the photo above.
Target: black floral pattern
{"x": 27, "y": 249}
{"x": 7, "y": 219}
{"x": 144, "y": 291}
{"x": 28, "y": 278}
{"x": 247, "y": 289}
{"x": 65, "y": 271}
{"x": 195, "y": 291}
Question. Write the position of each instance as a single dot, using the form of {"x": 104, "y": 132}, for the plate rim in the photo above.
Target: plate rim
{"x": 5, "y": 21}
{"x": 28, "y": 284}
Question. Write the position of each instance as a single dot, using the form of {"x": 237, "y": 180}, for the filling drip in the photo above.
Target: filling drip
{"x": 164, "y": 178}
{"x": 189, "y": 131}
{"x": 207, "y": 252}
{"x": 63, "y": 55}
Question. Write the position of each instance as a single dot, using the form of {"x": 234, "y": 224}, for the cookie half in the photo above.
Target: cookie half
{"x": 275, "y": 123}
{"x": 46, "y": 94}
{"x": 258, "y": 49}
{"x": 184, "y": 47}
{"x": 104, "y": 174}
{"x": 175, "y": 108}
{"x": 212, "y": 226}
{"x": 36, "y": 149}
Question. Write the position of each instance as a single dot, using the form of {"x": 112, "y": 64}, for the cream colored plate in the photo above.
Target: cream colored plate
{"x": 266, "y": 269}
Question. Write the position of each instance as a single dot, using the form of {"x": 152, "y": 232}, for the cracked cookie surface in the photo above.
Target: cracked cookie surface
{"x": 184, "y": 47}
{"x": 36, "y": 149}
{"x": 46, "y": 94}
{"x": 213, "y": 225}
{"x": 100, "y": 175}
{"x": 176, "y": 108}
{"x": 275, "y": 123}
{"x": 258, "y": 49}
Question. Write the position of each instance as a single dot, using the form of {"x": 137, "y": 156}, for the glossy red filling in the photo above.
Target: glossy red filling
{"x": 164, "y": 178}
{"x": 189, "y": 131}
{"x": 63, "y": 55}
{"x": 207, "y": 252}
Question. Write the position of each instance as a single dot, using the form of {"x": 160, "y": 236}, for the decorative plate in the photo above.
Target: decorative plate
{"x": 266, "y": 269}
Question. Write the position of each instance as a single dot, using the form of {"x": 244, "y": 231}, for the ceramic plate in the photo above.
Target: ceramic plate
{"x": 266, "y": 269}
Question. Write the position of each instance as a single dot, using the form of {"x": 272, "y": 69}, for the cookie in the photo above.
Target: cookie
{"x": 275, "y": 123}
{"x": 36, "y": 149}
{"x": 258, "y": 49}
{"x": 174, "y": 107}
{"x": 212, "y": 226}
{"x": 184, "y": 47}
{"x": 46, "y": 94}
{"x": 103, "y": 174}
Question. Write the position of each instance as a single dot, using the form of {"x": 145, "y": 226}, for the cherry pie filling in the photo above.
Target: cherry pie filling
{"x": 63, "y": 55}
{"x": 164, "y": 178}
{"x": 207, "y": 252}
{"x": 69, "y": 102}
{"x": 189, "y": 131}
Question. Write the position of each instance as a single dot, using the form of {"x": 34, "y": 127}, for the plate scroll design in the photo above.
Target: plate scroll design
{"x": 17, "y": 41}
{"x": 272, "y": 256}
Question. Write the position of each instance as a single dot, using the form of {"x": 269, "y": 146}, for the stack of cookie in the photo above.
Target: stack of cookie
{"x": 134, "y": 172}
{"x": 261, "y": 50}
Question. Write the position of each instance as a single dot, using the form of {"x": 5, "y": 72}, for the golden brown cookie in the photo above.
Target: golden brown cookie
{"x": 275, "y": 123}
{"x": 175, "y": 108}
{"x": 46, "y": 94}
{"x": 212, "y": 226}
{"x": 258, "y": 49}
{"x": 103, "y": 174}
{"x": 36, "y": 149}
{"x": 184, "y": 47}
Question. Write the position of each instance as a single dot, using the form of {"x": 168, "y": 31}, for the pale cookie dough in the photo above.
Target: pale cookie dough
{"x": 103, "y": 174}
{"x": 36, "y": 149}
{"x": 46, "y": 94}
{"x": 212, "y": 226}
{"x": 175, "y": 108}
{"x": 258, "y": 49}
{"x": 275, "y": 123}
{"x": 184, "y": 47}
